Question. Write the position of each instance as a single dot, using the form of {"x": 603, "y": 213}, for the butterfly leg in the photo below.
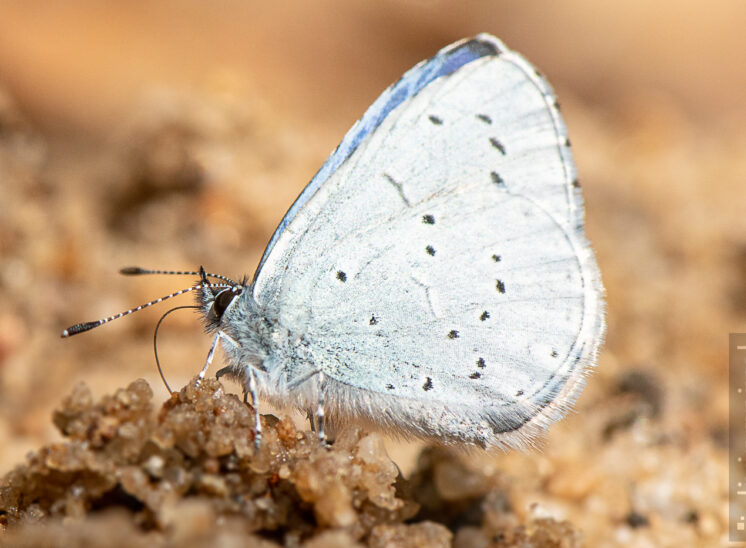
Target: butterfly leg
{"x": 320, "y": 419}
{"x": 211, "y": 354}
{"x": 311, "y": 421}
{"x": 255, "y": 404}
{"x": 316, "y": 419}
{"x": 208, "y": 361}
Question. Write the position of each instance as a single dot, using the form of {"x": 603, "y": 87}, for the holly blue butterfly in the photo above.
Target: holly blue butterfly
{"x": 433, "y": 279}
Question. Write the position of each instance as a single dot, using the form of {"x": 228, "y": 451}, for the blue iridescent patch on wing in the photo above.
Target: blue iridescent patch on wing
{"x": 446, "y": 61}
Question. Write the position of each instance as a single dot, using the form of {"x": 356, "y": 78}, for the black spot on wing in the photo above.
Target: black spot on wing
{"x": 576, "y": 183}
{"x": 495, "y": 176}
{"x": 428, "y": 384}
{"x": 497, "y": 258}
{"x": 498, "y": 145}
{"x": 481, "y": 363}
{"x": 453, "y": 334}
{"x": 485, "y": 315}
{"x": 389, "y": 387}
{"x": 567, "y": 142}
{"x": 373, "y": 320}
{"x": 341, "y": 276}
{"x": 519, "y": 393}
{"x": 484, "y": 118}
{"x": 475, "y": 375}
{"x": 554, "y": 354}
{"x": 428, "y": 219}
{"x": 500, "y": 286}
{"x": 430, "y": 250}
{"x": 435, "y": 120}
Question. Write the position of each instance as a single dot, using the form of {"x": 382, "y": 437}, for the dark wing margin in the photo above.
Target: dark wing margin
{"x": 445, "y": 62}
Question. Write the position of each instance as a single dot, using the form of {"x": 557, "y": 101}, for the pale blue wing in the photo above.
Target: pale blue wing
{"x": 436, "y": 268}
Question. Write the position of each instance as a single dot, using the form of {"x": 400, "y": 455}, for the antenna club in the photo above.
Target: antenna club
{"x": 132, "y": 270}
{"x": 79, "y": 328}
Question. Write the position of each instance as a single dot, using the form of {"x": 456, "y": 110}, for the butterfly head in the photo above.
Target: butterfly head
{"x": 216, "y": 300}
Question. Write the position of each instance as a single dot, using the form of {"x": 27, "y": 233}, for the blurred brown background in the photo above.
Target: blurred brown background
{"x": 176, "y": 133}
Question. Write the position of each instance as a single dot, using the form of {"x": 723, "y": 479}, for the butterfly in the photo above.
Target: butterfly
{"x": 433, "y": 280}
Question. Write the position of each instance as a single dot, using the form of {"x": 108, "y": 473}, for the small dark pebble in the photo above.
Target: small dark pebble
{"x": 636, "y": 520}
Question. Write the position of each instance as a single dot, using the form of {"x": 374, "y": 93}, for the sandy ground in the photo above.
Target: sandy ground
{"x": 177, "y": 135}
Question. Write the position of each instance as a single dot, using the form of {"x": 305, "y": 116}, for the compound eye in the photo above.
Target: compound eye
{"x": 222, "y": 300}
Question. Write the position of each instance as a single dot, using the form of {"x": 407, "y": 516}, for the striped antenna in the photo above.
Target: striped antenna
{"x": 87, "y": 326}
{"x": 136, "y": 271}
